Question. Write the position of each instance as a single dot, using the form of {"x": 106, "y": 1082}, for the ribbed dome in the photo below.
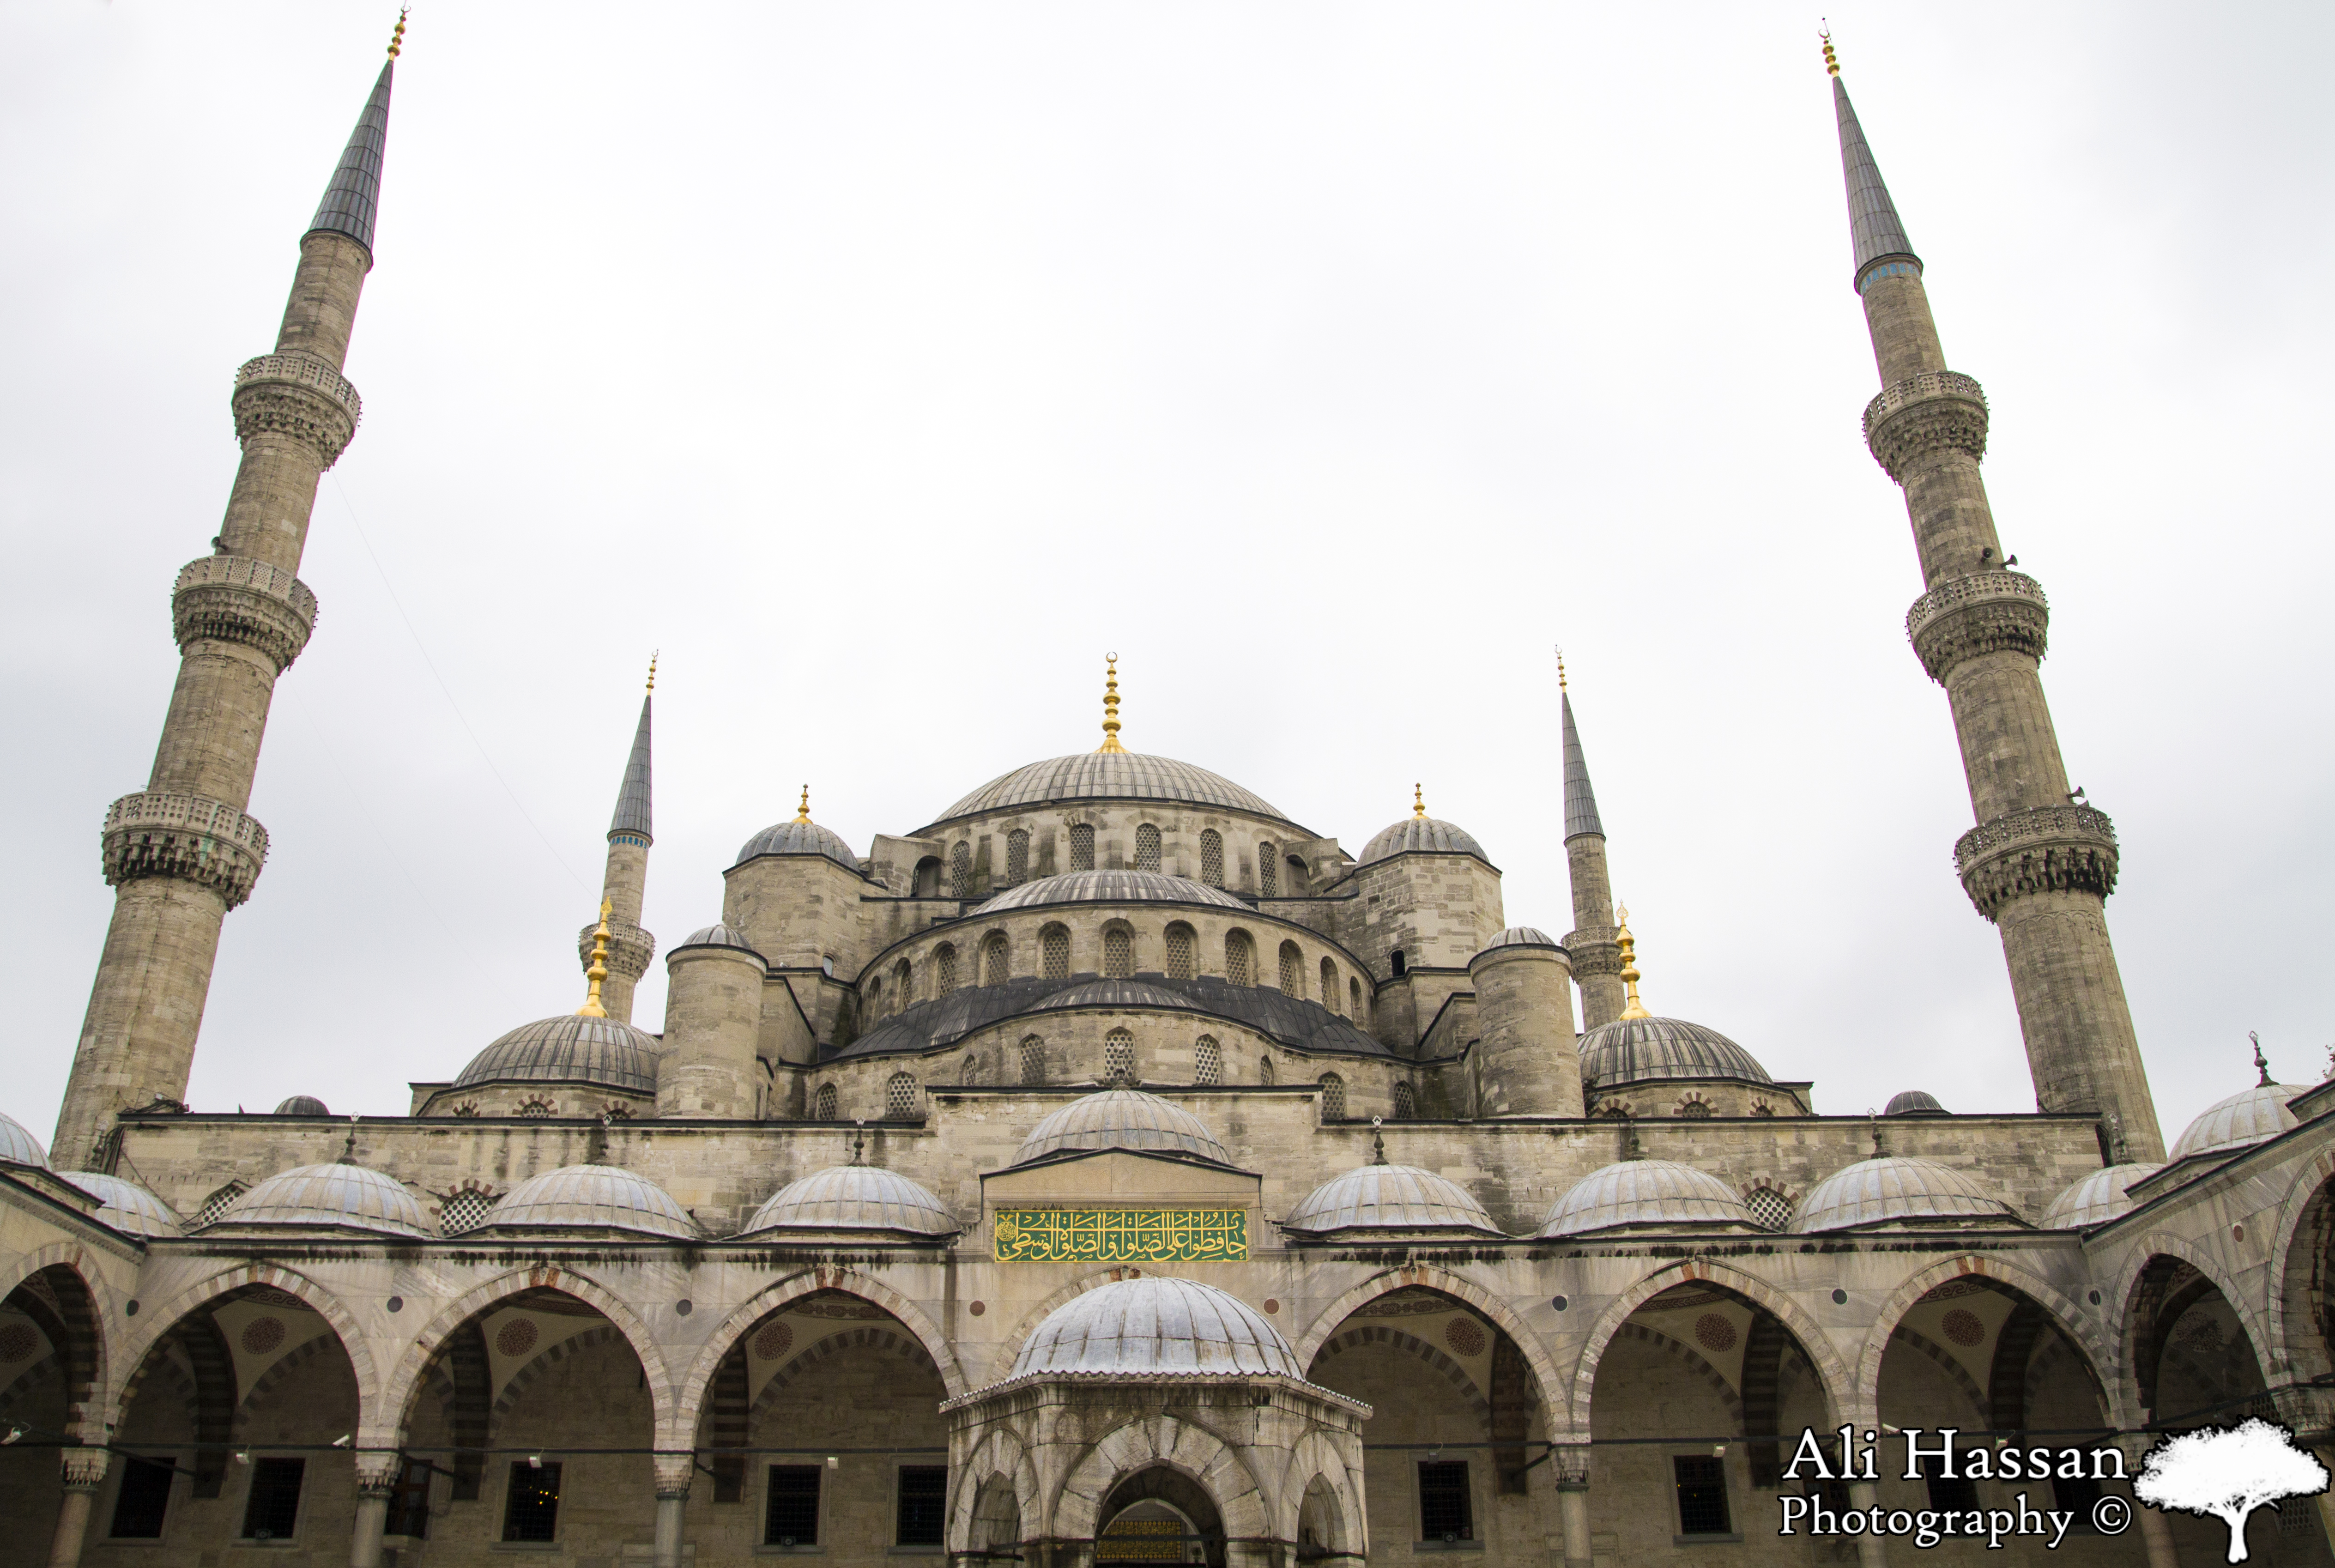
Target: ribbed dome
{"x": 1156, "y": 1327}
{"x": 1109, "y": 775}
{"x": 1122, "y": 1118}
{"x": 1913, "y": 1102}
{"x": 1425, "y": 835}
{"x": 798, "y": 838}
{"x": 2096, "y": 1199}
{"x": 569, "y": 1049}
{"x": 1876, "y": 1191}
{"x": 127, "y": 1206}
{"x": 716, "y": 936}
{"x": 592, "y": 1196}
{"x": 2256, "y": 1116}
{"x": 18, "y": 1146}
{"x": 346, "y": 1197}
{"x": 1109, "y": 887}
{"x": 1389, "y": 1197}
{"x": 1645, "y": 1194}
{"x": 1523, "y": 936}
{"x": 302, "y": 1105}
{"x": 853, "y": 1198}
{"x": 1116, "y": 993}
{"x": 1649, "y": 1049}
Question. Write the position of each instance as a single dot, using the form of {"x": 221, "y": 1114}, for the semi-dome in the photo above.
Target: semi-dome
{"x": 1522, "y": 936}
{"x": 1109, "y": 887}
{"x": 798, "y": 836}
{"x": 1648, "y": 1050}
{"x": 1890, "y": 1187}
{"x": 1122, "y": 1118}
{"x": 1913, "y": 1102}
{"x": 2096, "y": 1199}
{"x": 1389, "y": 1197}
{"x": 18, "y": 1146}
{"x": 716, "y": 936}
{"x": 592, "y": 1197}
{"x": 853, "y": 1198}
{"x": 302, "y": 1105}
{"x": 569, "y": 1049}
{"x": 1116, "y": 993}
{"x": 127, "y": 1206}
{"x": 1109, "y": 776}
{"x": 1646, "y": 1194}
{"x": 1422, "y": 836}
{"x": 1156, "y": 1327}
{"x": 340, "y": 1196}
{"x": 2256, "y": 1116}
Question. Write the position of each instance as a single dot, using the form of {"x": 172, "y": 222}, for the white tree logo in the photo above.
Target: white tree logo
{"x": 2226, "y": 1473}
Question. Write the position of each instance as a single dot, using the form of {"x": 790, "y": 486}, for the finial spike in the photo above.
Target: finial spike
{"x": 1378, "y": 1141}
{"x": 1560, "y": 669}
{"x": 653, "y": 659}
{"x": 1832, "y": 61}
{"x": 859, "y": 1141}
{"x": 1418, "y": 801}
{"x": 802, "y": 812}
{"x": 1632, "y": 1007}
{"x": 397, "y": 34}
{"x": 596, "y": 975}
{"x": 2261, "y": 1066}
{"x": 1110, "y": 706}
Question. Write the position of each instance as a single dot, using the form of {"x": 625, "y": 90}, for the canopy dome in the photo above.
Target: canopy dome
{"x": 592, "y": 1197}
{"x": 2255, "y": 1116}
{"x": 2096, "y": 1199}
{"x": 1109, "y": 887}
{"x": 1889, "y": 1187}
{"x": 1109, "y": 776}
{"x": 1422, "y": 834}
{"x": 341, "y": 1196}
{"x": 853, "y": 1198}
{"x": 569, "y": 1049}
{"x": 797, "y": 836}
{"x": 302, "y": 1105}
{"x": 18, "y": 1146}
{"x": 126, "y": 1206}
{"x": 1649, "y": 1049}
{"x": 717, "y": 935}
{"x": 1156, "y": 1327}
{"x": 1122, "y": 1118}
{"x": 1522, "y": 936}
{"x": 1645, "y": 1194}
{"x": 1389, "y": 1197}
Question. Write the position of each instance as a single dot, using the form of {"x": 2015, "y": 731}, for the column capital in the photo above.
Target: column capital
{"x": 1571, "y": 1463}
{"x": 84, "y": 1468}
{"x": 674, "y": 1472}
{"x": 377, "y": 1471}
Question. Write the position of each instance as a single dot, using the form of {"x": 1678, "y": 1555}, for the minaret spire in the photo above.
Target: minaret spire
{"x": 624, "y": 884}
{"x": 2042, "y": 861}
{"x": 1595, "y": 943}
{"x": 1110, "y": 706}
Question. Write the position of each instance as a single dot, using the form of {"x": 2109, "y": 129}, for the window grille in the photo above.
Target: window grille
{"x": 791, "y": 1516}
{"x": 1237, "y": 958}
{"x": 903, "y": 986}
{"x": 993, "y": 961}
{"x": 535, "y": 1110}
{"x": 1406, "y": 1103}
{"x": 1762, "y": 1108}
{"x": 1211, "y": 857}
{"x": 923, "y": 1505}
{"x": 143, "y": 1501}
{"x": 900, "y": 1097}
{"x": 1017, "y": 856}
{"x": 1082, "y": 847}
{"x": 1354, "y": 999}
{"x": 961, "y": 871}
{"x": 1292, "y": 970}
{"x": 409, "y": 1501}
{"x": 1118, "y": 953}
{"x": 1208, "y": 1061}
{"x": 1445, "y": 1511}
{"x": 531, "y": 1509}
{"x": 1333, "y": 1098}
{"x": 1329, "y": 985}
{"x": 465, "y": 1211}
{"x": 273, "y": 1508}
{"x": 945, "y": 968}
{"x": 1264, "y": 1069}
{"x": 1147, "y": 847}
{"x": 1054, "y": 947}
{"x": 1180, "y": 952}
{"x": 822, "y": 1104}
{"x": 1117, "y": 1056}
{"x": 1696, "y": 1110}
{"x": 1770, "y": 1209}
{"x": 1034, "y": 1060}
{"x": 218, "y": 1203}
{"x": 1701, "y": 1494}
{"x": 1268, "y": 872}
{"x": 1959, "y": 1493}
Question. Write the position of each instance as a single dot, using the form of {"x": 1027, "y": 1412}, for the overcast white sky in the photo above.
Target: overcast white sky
{"x": 886, "y": 364}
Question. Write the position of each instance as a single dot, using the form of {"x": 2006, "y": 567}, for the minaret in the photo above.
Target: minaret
{"x": 1597, "y": 954}
{"x": 182, "y": 852}
{"x": 2040, "y": 861}
{"x": 625, "y": 881}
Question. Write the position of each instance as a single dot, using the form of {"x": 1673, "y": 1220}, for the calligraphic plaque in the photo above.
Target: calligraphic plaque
{"x": 1121, "y": 1235}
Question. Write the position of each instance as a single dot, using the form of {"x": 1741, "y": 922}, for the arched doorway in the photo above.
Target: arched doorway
{"x": 1159, "y": 1516}
{"x": 51, "y": 1366}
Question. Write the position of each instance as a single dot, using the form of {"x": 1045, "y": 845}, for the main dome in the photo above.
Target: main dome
{"x": 569, "y": 1049}
{"x": 1389, "y": 1197}
{"x": 1649, "y": 1194}
{"x": 1122, "y": 1118}
{"x": 853, "y": 1198}
{"x": 1422, "y": 836}
{"x": 1109, "y": 887}
{"x": 328, "y": 1197}
{"x": 1109, "y": 776}
{"x": 1157, "y": 1326}
{"x": 1649, "y": 1049}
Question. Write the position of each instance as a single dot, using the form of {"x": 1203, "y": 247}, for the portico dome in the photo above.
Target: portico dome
{"x": 2256, "y": 1116}
{"x": 125, "y": 1205}
{"x": 340, "y": 1196}
{"x": 1646, "y": 1194}
{"x": 853, "y": 1198}
{"x": 1125, "y": 1118}
{"x": 1156, "y": 1327}
{"x": 592, "y": 1197}
{"x": 2096, "y": 1199}
{"x": 18, "y": 1146}
{"x": 1389, "y": 1197}
{"x": 1890, "y": 1189}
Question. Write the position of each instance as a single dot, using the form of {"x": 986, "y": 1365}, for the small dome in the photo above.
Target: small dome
{"x": 18, "y": 1146}
{"x": 716, "y": 936}
{"x": 2256, "y": 1116}
{"x": 853, "y": 1198}
{"x": 1109, "y": 775}
{"x": 1523, "y": 936}
{"x": 127, "y": 1206}
{"x": 1156, "y": 1327}
{"x": 1109, "y": 887}
{"x": 1649, "y": 1194}
{"x": 798, "y": 838}
{"x": 1422, "y": 836}
{"x": 1116, "y": 993}
{"x": 302, "y": 1105}
{"x": 1122, "y": 1118}
{"x": 1648, "y": 1050}
{"x": 1876, "y": 1191}
{"x": 569, "y": 1049}
{"x": 1389, "y": 1197}
{"x": 1913, "y": 1102}
{"x": 592, "y": 1196}
{"x": 338, "y": 1196}
{"x": 2096, "y": 1199}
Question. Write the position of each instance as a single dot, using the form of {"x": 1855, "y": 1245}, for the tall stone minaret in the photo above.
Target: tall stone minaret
{"x": 625, "y": 880}
{"x": 1597, "y": 953}
{"x": 2040, "y": 861}
{"x": 182, "y": 852}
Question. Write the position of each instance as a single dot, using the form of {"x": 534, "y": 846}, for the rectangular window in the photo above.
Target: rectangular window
{"x": 2077, "y": 1493}
{"x": 273, "y": 1508}
{"x": 143, "y": 1501}
{"x": 1958, "y": 1493}
{"x": 1445, "y": 1510}
{"x": 1701, "y": 1494}
{"x": 924, "y": 1503}
{"x": 531, "y": 1507}
{"x": 409, "y": 1502}
{"x": 791, "y": 1518}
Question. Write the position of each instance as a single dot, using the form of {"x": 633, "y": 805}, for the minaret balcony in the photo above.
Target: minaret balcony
{"x": 209, "y": 843}
{"x": 2050, "y": 849}
{"x": 1937, "y": 411}
{"x": 236, "y": 599}
{"x": 299, "y": 396}
{"x": 1994, "y": 612}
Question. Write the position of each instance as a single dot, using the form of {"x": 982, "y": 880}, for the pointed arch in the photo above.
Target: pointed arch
{"x": 85, "y": 1354}
{"x": 999, "y": 1452}
{"x": 2300, "y": 1347}
{"x": 1551, "y": 1387}
{"x": 1147, "y": 1442}
{"x": 2066, "y": 1316}
{"x": 2125, "y": 1375}
{"x": 316, "y": 1297}
{"x": 1315, "y": 1458}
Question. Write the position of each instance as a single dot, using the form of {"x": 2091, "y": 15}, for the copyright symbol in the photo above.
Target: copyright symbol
{"x": 2111, "y": 1516}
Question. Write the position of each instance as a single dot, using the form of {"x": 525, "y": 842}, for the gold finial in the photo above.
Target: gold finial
{"x": 653, "y": 659}
{"x": 1560, "y": 669}
{"x": 1110, "y": 706}
{"x": 1418, "y": 801}
{"x": 397, "y": 37}
{"x": 1832, "y": 61}
{"x": 802, "y": 812}
{"x": 597, "y": 975}
{"x": 2262, "y": 1067}
{"x": 1629, "y": 945}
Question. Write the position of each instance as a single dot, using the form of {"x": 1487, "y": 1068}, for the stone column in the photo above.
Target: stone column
{"x": 673, "y": 1474}
{"x": 376, "y": 1480}
{"x": 1571, "y": 1466}
{"x": 1871, "y": 1552}
{"x": 85, "y": 1473}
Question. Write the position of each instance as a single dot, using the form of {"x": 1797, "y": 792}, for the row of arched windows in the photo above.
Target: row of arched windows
{"x": 1270, "y": 861}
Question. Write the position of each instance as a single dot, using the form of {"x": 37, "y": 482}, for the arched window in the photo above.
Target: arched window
{"x": 1395, "y": 961}
{"x": 960, "y": 870}
{"x": 899, "y": 1098}
{"x": 822, "y": 1104}
{"x": 1017, "y": 856}
{"x": 1264, "y": 1069}
{"x": 1333, "y": 1098}
{"x": 1082, "y": 847}
{"x": 1119, "y": 1057}
{"x": 1033, "y": 1060}
{"x": 1240, "y": 959}
{"x": 903, "y": 986}
{"x": 1292, "y": 970}
{"x": 1208, "y": 1061}
{"x": 995, "y": 959}
{"x": 1762, "y": 1108}
{"x": 928, "y": 878}
{"x": 1612, "y": 1111}
{"x": 1268, "y": 871}
{"x": 1354, "y": 1000}
{"x": 876, "y": 999}
{"x": 1695, "y": 1111}
{"x": 535, "y": 1110}
{"x": 1406, "y": 1102}
{"x": 1054, "y": 951}
{"x": 1117, "y": 953}
{"x": 970, "y": 1070}
{"x": 465, "y": 1211}
{"x": 944, "y": 970}
{"x": 1330, "y": 985}
{"x": 1770, "y": 1210}
{"x": 827, "y": 966}
{"x": 1179, "y": 952}
{"x": 1147, "y": 847}
{"x": 1296, "y": 869}
{"x": 1211, "y": 857}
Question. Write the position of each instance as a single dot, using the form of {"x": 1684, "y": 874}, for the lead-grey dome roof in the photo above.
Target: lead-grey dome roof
{"x": 1156, "y": 1327}
{"x": 2254, "y": 1116}
{"x": 1649, "y": 1049}
{"x": 302, "y": 1105}
{"x": 1645, "y": 1194}
{"x": 569, "y": 1049}
{"x": 592, "y": 1197}
{"x": 1122, "y": 1118}
{"x": 1116, "y": 993}
{"x": 125, "y": 1205}
{"x": 1389, "y": 1197}
{"x": 1913, "y": 1102}
{"x": 1522, "y": 936}
{"x": 797, "y": 836}
{"x": 18, "y": 1146}
{"x": 2096, "y": 1199}
{"x": 854, "y": 1197}
{"x": 346, "y": 1197}
{"x": 1891, "y": 1187}
{"x": 716, "y": 936}
{"x": 1109, "y": 887}
{"x": 1109, "y": 776}
{"x": 1422, "y": 834}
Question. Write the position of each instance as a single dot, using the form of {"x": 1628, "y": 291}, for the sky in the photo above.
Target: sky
{"x": 883, "y": 366}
